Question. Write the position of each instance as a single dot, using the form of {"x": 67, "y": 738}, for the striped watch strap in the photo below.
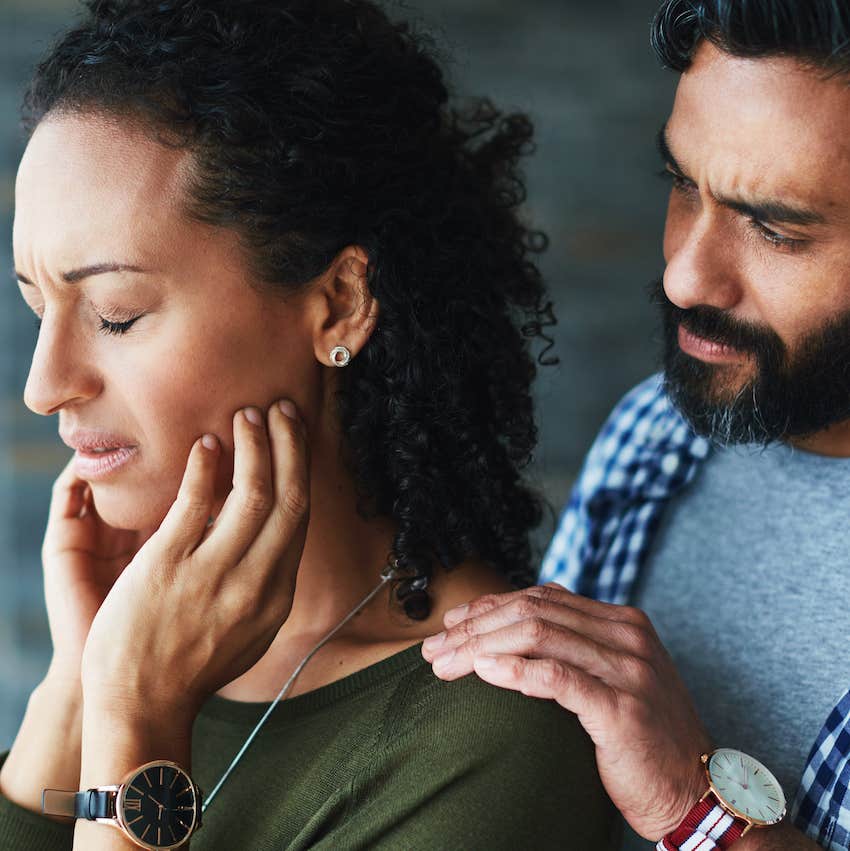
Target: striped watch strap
{"x": 706, "y": 827}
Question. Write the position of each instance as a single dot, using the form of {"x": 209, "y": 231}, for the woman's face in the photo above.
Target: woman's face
{"x": 92, "y": 200}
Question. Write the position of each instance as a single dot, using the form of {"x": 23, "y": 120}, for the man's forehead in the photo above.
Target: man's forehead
{"x": 767, "y": 125}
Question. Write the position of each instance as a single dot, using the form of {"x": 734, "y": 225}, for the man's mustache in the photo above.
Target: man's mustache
{"x": 718, "y": 326}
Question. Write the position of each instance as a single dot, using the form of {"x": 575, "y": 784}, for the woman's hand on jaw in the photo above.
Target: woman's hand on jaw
{"x": 198, "y": 606}
{"x": 81, "y": 558}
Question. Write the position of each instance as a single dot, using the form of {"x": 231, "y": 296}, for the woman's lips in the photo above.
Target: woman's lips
{"x": 97, "y": 453}
{"x": 90, "y": 465}
{"x": 707, "y": 351}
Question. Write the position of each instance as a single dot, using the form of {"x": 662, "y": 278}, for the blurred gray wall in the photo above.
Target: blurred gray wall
{"x": 585, "y": 73}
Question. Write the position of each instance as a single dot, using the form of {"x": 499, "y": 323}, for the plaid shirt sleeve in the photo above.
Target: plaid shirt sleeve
{"x": 643, "y": 456}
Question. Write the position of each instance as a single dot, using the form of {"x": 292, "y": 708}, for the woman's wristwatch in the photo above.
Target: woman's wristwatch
{"x": 157, "y": 806}
{"x": 742, "y": 794}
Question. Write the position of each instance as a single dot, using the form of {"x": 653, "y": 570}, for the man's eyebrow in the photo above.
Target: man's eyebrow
{"x": 664, "y": 150}
{"x": 767, "y": 211}
{"x": 774, "y": 212}
{"x": 77, "y": 275}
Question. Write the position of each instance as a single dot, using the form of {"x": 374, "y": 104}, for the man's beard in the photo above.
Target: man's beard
{"x": 788, "y": 394}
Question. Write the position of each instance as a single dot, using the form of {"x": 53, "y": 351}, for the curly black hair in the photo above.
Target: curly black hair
{"x": 317, "y": 124}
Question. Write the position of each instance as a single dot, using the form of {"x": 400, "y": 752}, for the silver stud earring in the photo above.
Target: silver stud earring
{"x": 340, "y": 356}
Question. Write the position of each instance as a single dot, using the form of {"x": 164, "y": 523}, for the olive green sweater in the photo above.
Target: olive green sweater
{"x": 389, "y": 757}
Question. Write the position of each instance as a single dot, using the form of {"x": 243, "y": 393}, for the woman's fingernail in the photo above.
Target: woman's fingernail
{"x": 486, "y": 663}
{"x": 210, "y": 441}
{"x": 287, "y": 408}
{"x": 434, "y": 642}
{"x": 253, "y": 415}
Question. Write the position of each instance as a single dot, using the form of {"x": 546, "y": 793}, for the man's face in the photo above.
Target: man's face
{"x": 756, "y": 292}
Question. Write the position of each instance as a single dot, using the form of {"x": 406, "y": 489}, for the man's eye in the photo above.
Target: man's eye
{"x": 775, "y": 238}
{"x": 117, "y": 327}
{"x": 680, "y": 184}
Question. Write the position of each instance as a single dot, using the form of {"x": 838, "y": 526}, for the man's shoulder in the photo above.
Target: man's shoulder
{"x": 645, "y": 416}
{"x": 644, "y": 438}
{"x": 644, "y": 455}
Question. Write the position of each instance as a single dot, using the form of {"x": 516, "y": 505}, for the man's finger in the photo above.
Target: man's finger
{"x": 535, "y": 639}
{"x": 623, "y": 633}
{"x": 488, "y": 602}
{"x": 575, "y": 690}
{"x": 551, "y": 591}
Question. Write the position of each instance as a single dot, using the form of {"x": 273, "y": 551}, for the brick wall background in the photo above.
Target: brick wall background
{"x": 584, "y": 71}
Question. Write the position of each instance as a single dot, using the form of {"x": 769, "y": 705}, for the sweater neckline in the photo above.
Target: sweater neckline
{"x": 240, "y": 713}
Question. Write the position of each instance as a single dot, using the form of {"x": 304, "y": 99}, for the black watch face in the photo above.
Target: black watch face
{"x": 158, "y": 806}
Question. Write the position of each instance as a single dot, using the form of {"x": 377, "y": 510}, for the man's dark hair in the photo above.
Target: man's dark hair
{"x": 816, "y": 32}
{"x": 317, "y": 124}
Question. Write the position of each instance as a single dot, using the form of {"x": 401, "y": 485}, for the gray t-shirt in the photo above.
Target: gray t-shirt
{"x": 747, "y": 584}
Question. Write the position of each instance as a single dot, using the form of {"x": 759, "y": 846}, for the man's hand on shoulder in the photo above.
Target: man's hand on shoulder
{"x": 606, "y": 664}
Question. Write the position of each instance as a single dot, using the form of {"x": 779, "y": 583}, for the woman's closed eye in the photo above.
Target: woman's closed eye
{"x": 107, "y": 326}
{"x": 117, "y": 327}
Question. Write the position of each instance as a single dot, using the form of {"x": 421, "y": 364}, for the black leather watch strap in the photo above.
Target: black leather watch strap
{"x": 93, "y": 804}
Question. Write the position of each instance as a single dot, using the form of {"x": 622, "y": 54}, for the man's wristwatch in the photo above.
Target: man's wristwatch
{"x": 157, "y": 806}
{"x": 742, "y": 794}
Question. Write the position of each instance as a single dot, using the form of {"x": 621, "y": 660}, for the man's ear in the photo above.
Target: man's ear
{"x": 345, "y": 310}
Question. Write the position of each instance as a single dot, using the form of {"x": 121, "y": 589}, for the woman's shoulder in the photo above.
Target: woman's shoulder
{"x": 486, "y": 719}
{"x": 501, "y": 769}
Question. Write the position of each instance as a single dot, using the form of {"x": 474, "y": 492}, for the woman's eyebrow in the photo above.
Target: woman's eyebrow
{"x": 77, "y": 275}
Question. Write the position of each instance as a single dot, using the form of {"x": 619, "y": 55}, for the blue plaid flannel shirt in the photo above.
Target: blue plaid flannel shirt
{"x": 644, "y": 455}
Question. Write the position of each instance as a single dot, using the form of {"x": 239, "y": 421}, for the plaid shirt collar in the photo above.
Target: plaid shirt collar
{"x": 644, "y": 455}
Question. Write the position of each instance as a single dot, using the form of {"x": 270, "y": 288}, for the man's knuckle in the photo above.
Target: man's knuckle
{"x": 552, "y": 675}
{"x": 636, "y": 616}
{"x": 544, "y": 593}
{"x": 472, "y": 645}
{"x": 527, "y": 606}
{"x": 483, "y": 604}
{"x": 535, "y": 630}
{"x": 639, "y": 673}
{"x": 632, "y": 637}
{"x": 515, "y": 670}
{"x": 464, "y": 630}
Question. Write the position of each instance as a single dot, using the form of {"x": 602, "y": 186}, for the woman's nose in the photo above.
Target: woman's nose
{"x": 61, "y": 372}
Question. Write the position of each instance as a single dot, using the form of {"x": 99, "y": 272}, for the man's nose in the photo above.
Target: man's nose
{"x": 701, "y": 265}
{"x": 61, "y": 372}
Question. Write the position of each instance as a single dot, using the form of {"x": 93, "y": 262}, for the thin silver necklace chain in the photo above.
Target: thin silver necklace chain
{"x": 388, "y": 574}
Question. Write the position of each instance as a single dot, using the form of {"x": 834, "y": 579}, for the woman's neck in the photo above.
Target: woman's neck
{"x": 344, "y": 556}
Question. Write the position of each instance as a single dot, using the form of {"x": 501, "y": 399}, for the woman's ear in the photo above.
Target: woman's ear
{"x": 346, "y": 311}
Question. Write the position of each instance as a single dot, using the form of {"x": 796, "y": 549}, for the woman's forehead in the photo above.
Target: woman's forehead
{"x": 89, "y": 185}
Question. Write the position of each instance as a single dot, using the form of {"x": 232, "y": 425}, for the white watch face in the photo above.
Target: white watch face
{"x": 746, "y": 786}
